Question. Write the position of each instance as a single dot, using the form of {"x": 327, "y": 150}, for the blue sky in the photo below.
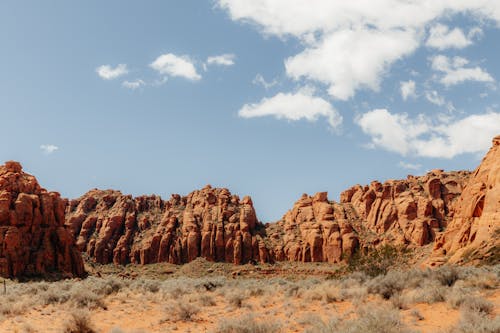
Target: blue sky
{"x": 270, "y": 98}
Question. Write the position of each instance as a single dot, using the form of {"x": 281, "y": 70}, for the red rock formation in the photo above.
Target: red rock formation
{"x": 408, "y": 211}
{"x": 474, "y": 232}
{"x": 33, "y": 238}
{"x": 211, "y": 223}
{"x": 399, "y": 212}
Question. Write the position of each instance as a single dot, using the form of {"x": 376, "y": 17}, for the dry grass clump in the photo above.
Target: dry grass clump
{"x": 81, "y": 297}
{"x": 368, "y": 320}
{"x": 207, "y": 300}
{"x": 248, "y": 324}
{"x": 387, "y": 285}
{"x": 181, "y": 310}
{"x": 79, "y": 323}
{"x": 476, "y": 322}
{"x": 477, "y": 304}
{"x": 235, "y": 299}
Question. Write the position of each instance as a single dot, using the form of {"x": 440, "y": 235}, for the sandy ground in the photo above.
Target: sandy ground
{"x": 139, "y": 313}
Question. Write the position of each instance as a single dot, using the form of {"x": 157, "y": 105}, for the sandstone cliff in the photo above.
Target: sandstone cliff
{"x": 474, "y": 231}
{"x": 211, "y": 223}
{"x": 398, "y": 212}
{"x": 33, "y": 238}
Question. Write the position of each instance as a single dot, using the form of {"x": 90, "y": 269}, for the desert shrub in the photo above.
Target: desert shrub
{"x": 378, "y": 261}
{"x": 318, "y": 325}
{"x": 79, "y": 323}
{"x": 146, "y": 285}
{"x": 324, "y": 291}
{"x": 182, "y": 310}
{"x": 430, "y": 292}
{"x": 476, "y": 322}
{"x": 369, "y": 320}
{"x": 376, "y": 320}
{"x": 106, "y": 286}
{"x": 399, "y": 301}
{"x": 456, "y": 296}
{"x": 447, "y": 275}
{"x": 210, "y": 284}
{"x": 83, "y": 297}
{"x": 248, "y": 324}
{"x": 235, "y": 299}
{"x": 387, "y": 285}
{"x": 53, "y": 295}
{"x": 476, "y": 304}
{"x": 206, "y": 300}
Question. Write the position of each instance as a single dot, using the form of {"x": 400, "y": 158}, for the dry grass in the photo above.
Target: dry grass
{"x": 352, "y": 303}
{"x": 79, "y": 323}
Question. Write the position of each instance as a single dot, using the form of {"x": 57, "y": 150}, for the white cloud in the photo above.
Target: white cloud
{"x": 49, "y": 149}
{"x": 133, "y": 84}
{"x": 293, "y": 107}
{"x": 107, "y": 72}
{"x": 409, "y": 166}
{"x": 348, "y": 60}
{"x": 259, "y": 79}
{"x": 221, "y": 60}
{"x": 350, "y": 45}
{"x": 423, "y": 137}
{"x": 434, "y": 97}
{"x": 408, "y": 89}
{"x": 441, "y": 37}
{"x": 179, "y": 66}
{"x": 455, "y": 72}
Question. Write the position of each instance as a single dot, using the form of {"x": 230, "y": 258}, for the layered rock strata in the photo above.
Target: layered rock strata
{"x": 211, "y": 223}
{"x": 33, "y": 237}
{"x": 474, "y": 231}
{"x": 398, "y": 212}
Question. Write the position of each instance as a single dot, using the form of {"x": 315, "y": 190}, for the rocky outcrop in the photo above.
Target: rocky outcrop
{"x": 209, "y": 223}
{"x": 33, "y": 237}
{"x": 407, "y": 212}
{"x": 474, "y": 231}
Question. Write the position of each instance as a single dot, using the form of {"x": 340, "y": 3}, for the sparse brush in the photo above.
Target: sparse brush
{"x": 106, "y": 286}
{"x": 387, "y": 285}
{"x": 79, "y": 323}
{"x": 399, "y": 301}
{"x": 456, "y": 296}
{"x": 82, "y": 297}
{"x": 207, "y": 300}
{"x": 378, "y": 261}
{"x": 235, "y": 299}
{"x": 427, "y": 293}
{"x": 447, "y": 275}
{"x": 317, "y": 325}
{"x": 376, "y": 320}
{"x": 182, "y": 311}
{"x": 476, "y": 322}
{"x": 248, "y": 324}
{"x": 477, "y": 304}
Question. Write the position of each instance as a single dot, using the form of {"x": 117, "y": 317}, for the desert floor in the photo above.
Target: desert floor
{"x": 213, "y": 297}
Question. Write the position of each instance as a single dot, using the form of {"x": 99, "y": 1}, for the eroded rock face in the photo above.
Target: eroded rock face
{"x": 398, "y": 212}
{"x": 33, "y": 237}
{"x": 474, "y": 230}
{"x": 211, "y": 223}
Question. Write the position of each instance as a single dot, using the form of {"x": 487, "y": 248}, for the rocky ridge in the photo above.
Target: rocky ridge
{"x": 474, "y": 231}
{"x": 408, "y": 212}
{"x": 458, "y": 212}
{"x": 211, "y": 223}
{"x": 33, "y": 237}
